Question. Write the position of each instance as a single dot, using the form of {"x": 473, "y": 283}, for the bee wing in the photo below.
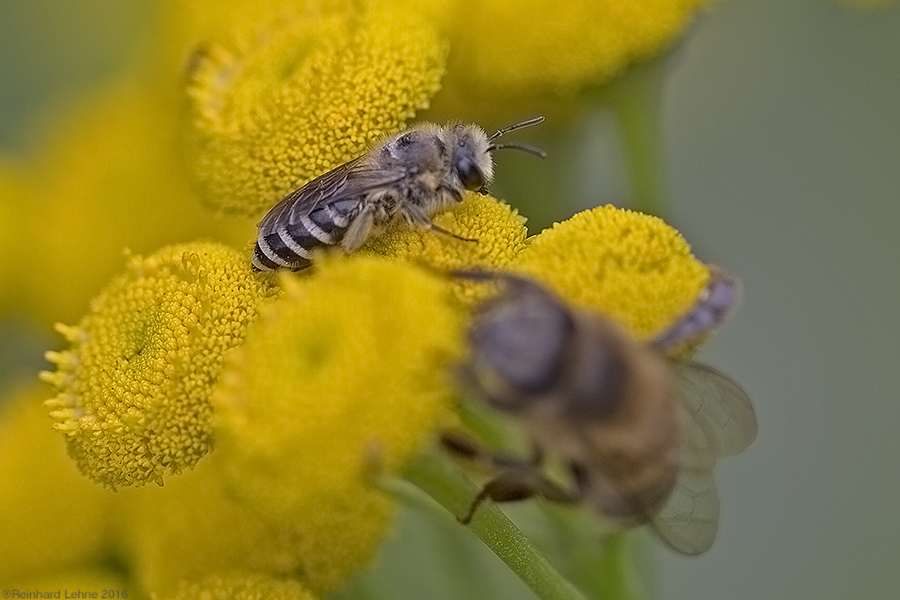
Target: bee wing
{"x": 718, "y": 405}
{"x": 689, "y": 520}
{"x": 349, "y": 181}
{"x": 719, "y": 421}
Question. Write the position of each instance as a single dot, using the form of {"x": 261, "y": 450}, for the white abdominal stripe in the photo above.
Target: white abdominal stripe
{"x": 290, "y": 246}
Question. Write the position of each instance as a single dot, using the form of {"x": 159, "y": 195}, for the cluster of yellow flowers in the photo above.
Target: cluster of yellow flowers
{"x": 266, "y": 404}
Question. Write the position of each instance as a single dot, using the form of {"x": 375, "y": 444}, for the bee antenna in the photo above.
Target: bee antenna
{"x": 523, "y": 147}
{"x": 509, "y": 128}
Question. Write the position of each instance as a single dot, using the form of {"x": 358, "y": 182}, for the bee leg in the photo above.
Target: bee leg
{"x": 517, "y": 479}
{"x": 462, "y": 446}
{"x": 451, "y": 234}
{"x": 360, "y": 228}
{"x": 468, "y": 449}
{"x": 537, "y": 456}
{"x": 519, "y": 483}
{"x": 506, "y": 487}
{"x": 417, "y": 218}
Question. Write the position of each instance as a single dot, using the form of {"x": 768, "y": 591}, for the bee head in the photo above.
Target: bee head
{"x": 519, "y": 338}
{"x": 472, "y": 150}
{"x": 472, "y": 160}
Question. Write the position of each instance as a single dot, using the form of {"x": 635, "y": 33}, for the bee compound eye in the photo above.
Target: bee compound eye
{"x": 469, "y": 175}
{"x": 523, "y": 343}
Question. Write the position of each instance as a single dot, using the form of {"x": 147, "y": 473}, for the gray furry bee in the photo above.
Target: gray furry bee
{"x": 637, "y": 435}
{"x": 414, "y": 174}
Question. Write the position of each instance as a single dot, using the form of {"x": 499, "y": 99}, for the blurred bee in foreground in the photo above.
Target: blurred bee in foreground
{"x": 638, "y": 436}
{"x": 414, "y": 174}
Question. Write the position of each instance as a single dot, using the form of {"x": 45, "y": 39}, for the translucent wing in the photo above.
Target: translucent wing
{"x": 719, "y": 421}
{"x": 719, "y": 406}
{"x": 689, "y": 520}
{"x": 347, "y": 182}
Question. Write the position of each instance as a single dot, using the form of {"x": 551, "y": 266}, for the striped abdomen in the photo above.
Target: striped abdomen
{"x": 288, "y": 241}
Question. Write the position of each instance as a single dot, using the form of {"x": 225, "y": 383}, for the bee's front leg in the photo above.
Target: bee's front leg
{"x": 517, "y": 479}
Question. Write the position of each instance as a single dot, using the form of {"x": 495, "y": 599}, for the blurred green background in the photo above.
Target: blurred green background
{"x": 50, "y": 49}
{"x": 782, "y": 151}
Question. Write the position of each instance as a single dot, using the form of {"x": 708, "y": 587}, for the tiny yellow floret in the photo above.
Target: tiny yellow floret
{"x": 316, "y": 90}
{"x": 135, "y": 382}
{"x": 494, "y": 235}
{"x": 628, "y": 265}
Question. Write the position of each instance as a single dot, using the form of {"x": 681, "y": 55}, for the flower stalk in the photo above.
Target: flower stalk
{"x": 635, "y": 99}
{"x": 447, "y": 485}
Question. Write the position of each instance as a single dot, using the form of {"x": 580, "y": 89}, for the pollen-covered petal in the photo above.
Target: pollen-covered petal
{"x": 311, "y": 91}
{"x": 51, "y": 518}
{"x": 629, "y": 265}
{"x": 345, "y": 376}
{"x": 532, "y": 46}
{"x": 493, "y": 234}
{"x": 134, "y": 385}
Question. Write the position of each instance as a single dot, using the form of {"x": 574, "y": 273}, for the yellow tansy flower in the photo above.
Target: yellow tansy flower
{"x": 529, "y": 46}
{"x": 108, "y": 178}
{"x": 309, "y": 93}
{"x": 183, "y": 24}
{"x": 134, "y": 387}
{"x": 346, "y": 375}
{"x": 241, "y": 586}
{"x": 633, "y": 267}
{"x": 194, "y": 528}
{"x": 51, "y": 518}
{"x": 494, "y": 235}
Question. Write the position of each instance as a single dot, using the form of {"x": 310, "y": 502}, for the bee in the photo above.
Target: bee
{"x": 413, "y": 175}
{"x": 636, "y": 434}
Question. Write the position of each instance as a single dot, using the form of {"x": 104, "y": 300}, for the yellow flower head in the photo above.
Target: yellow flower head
{"x": 346, "y": 375}
{"x": 134, "y": 386}
{"x": 494, "y": 235}
{"x": 51, "y": 517}
{"x": 194, "y": 528}
{"x": 310, "y": 92}
{"x": 108, "y": 177}
{"x": 529, "y": 46}
{"x": 630, "y": 266}
{"x": 241, "y": 586}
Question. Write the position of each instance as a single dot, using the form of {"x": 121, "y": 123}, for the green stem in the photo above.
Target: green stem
{"x": 454, "y": 491}
{"x": 601, "y": 564}
{"x": 635, "y": 98}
